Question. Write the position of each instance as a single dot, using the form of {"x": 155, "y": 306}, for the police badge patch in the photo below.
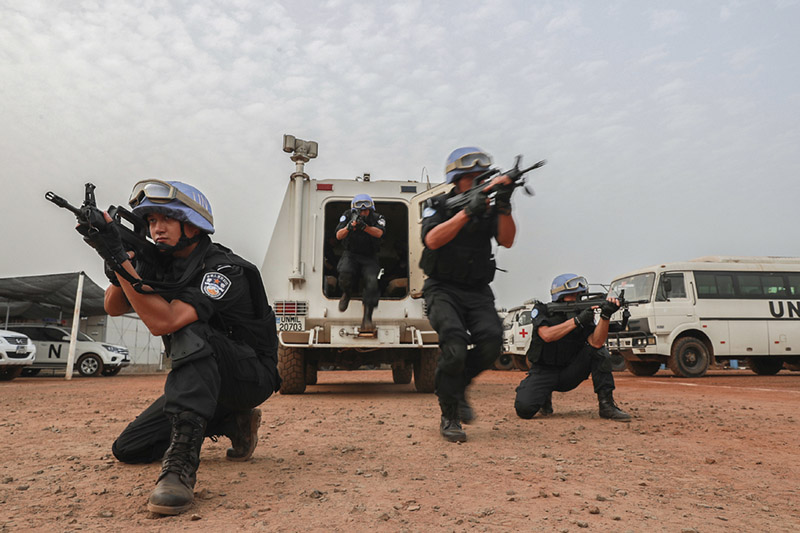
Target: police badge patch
{"x": 215, "y": 285}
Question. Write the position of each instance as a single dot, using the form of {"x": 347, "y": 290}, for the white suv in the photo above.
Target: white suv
{"x": 16, "y": 352}
{"x": 92, "y": 358}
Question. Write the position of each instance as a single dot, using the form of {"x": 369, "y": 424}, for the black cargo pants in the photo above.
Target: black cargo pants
{"x": 461, "y": 317}
{"x": 352, "y": 266}
{"x": 542, "y": 380}
{"x": 216, "y": 381}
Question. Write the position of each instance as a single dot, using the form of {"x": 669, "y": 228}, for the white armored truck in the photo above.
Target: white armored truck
{"x": 299, "y": 273}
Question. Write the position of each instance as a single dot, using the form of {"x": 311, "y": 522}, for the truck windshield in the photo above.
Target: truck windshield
{"x": 638, "y": 288}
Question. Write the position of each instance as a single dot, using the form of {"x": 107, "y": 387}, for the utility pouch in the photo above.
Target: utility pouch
{"x": 186, "y": 344}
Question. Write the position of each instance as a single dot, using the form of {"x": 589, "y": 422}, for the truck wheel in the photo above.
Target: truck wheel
{"x": 425, "y": 370}
{"x": 521, "y": 362}
{"x": 504, "y": 362}
{"x": 618, "y": 362}
{"x": 112, "y": 371}
{"x": 642, "y": 368}
{"x": 90, "y": 365}
{"x": 311, "y": 373}
{"x": 291, "y": 368}
{"x": 794, "y": 367}
{"x": 401, "y": 375}
{"x": 7, "y": 373}
{"x": 689, "y": 358}
{"x": 765, "y": 366}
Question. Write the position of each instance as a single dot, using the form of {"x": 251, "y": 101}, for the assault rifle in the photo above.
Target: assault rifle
{"x": 481, "y": 182}
{"x": 587, "y": 301}
{"x": 355, "y": 216}
{"x": 134, "y": 240}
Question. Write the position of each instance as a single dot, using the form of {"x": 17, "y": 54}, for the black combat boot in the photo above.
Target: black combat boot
{"x": 609, "y": 409}
{"x": 547, "y": 406}
{"x": 450, "y": 426}
{"x": 174, "y": 492}
{"x": 244, "y": 435}
{"x": 366, "y": 322}
{"x": 344, "y": 301}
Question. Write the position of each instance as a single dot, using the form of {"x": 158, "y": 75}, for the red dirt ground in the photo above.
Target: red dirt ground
{"x": 358, "y": 453}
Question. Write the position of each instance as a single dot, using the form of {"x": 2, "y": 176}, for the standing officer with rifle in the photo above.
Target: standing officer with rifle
{"x": 210, "y": 307}
{"x": 566, "y": 346}
{"x": 459, "y": 263}
{"x": 360, "y": 229}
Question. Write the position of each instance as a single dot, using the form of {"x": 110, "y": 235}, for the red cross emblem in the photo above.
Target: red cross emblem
{"x": 523, "y": 333}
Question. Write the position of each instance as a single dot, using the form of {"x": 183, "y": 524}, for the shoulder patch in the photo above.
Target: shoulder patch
{"x": 428, "y": 212}
{"x": 215, "y": 285}
{"x": 381, "y": 221}
{"x": 342, "y": 218}
{"x": 534, "y": 313}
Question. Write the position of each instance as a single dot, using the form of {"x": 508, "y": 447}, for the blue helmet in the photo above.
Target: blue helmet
{"x": 464, "y": 160}
{"x": 175, "y": 199}
{"x": 568, "y": 284}
{"x": 362, "y": 201}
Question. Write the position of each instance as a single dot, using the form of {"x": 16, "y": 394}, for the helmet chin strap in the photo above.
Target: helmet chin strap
{"x": 182, "y": 243}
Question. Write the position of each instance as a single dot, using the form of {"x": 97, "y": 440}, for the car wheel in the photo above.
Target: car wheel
{"x": 90, "y": 365}
{"x": 292, "y": 369}
{"x": 504, "y": 362}
{"x": 30, "y": 372}
{"x": 7, "y": 373}
{"x": 689, "y": 358}
{"x": 642, "y": 368}
{"x": 765, "y": 366}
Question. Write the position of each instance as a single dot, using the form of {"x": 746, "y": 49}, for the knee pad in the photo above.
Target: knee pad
{"x": 189, "y": 343}
{"x": 526, "y": 411}
{"x": 453, "y": 357}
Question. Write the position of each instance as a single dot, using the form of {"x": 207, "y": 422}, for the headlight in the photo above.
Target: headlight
{"x": 114, "y": 349}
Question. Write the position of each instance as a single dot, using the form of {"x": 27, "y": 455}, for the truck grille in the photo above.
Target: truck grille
{"x": 290, "y": 308}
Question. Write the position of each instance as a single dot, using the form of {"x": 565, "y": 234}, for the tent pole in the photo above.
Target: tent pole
{"x": 8, "y": 310}
{"x": 76, "y": 319}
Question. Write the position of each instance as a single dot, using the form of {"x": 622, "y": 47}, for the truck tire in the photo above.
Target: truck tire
{"x": 765, "y": 366}
{"x": 618, "y": 362}
{"x": 425, "y": 370}
{"x": 7, "y": 373}
{"x": 504, "y": 362}
{"x": 401, "y": 375}
{"x": 794, "y": 367}
{"x": 642, "y": 368}
{"x": 521, "y": 362}
{"x": 90, "y": 365}
{"x": 291, "y": 367}
{"x": 689, "y": 358}
{"x": 311, "y": 373}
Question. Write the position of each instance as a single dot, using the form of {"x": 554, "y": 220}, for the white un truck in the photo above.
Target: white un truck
{"x": 713, "y": 308}
{"x": 300, "y": 276}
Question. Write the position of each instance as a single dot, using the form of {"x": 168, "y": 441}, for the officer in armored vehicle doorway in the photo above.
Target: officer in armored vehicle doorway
{"x": 360, "y": 229}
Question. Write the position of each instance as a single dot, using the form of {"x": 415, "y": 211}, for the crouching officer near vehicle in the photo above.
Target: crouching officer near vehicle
{"x": 565, "y": 348}
{"x": 218, "y": 329}
{"x": 360, "y": 229}
{"x": 459, "y": 263}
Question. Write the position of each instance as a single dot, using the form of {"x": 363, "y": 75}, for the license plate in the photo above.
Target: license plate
{"x": 290, "y": 323}
{"x": 22, "y": 349}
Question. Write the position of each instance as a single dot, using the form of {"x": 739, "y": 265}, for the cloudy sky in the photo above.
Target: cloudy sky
{"x": 670, "y": 128}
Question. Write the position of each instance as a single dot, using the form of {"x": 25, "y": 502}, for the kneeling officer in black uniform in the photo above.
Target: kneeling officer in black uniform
{"x": 218, "y": 328}
{"x": 565, "y": 348}
{"x": 360, "y": 229}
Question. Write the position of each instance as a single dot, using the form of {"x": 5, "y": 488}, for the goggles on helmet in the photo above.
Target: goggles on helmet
{"x": 578, "y": 282}
{"x": 362, "y": 204}
{"x": 161, "y": 192}
{"x": 469, "y": 161}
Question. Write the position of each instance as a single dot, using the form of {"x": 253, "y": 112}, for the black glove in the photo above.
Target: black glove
{"x": 476, "y": 206}
{"x": 110, "y": 274}
{"x": 585, "y": 318}
{"x": 502, "y": 200}
{"x": 607, "y": 309}
{"x": 360, "y": 223}
{"x": 106, "y": 241}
